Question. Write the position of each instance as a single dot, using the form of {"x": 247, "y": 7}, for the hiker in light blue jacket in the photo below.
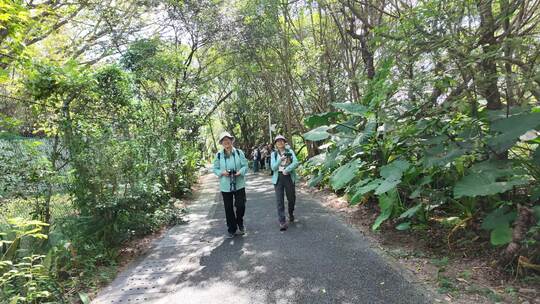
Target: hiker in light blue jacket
{"x": 231, "y": 166}
{"x": 283, "y": 163}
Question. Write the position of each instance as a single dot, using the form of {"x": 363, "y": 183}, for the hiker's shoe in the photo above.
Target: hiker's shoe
{"x": 283, "y": 227}
{"x": 291, "y": 218}
{"x": 241, "y": 231}
{"x": 229, "y": 235}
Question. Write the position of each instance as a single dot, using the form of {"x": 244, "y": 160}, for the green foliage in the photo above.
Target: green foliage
{"x": 112, "y": 151}
{"x": 450, "y": 158}
{"x": 344, "y": 174}
{"x": 388, "y": 202}
{"x": 27, "y": 281}
{"x": 319, "y": 133}
{"x": 23, "y": 277}
{"x": 498, "y": 222}
{"x": 508, "y": 130}
{"x": 351, "y": 108}
{"x": 488, "y": 178}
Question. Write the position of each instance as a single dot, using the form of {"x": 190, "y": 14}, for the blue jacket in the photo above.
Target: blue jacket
{"x": 274, "y": 164}
{"x": 236, "y": 161}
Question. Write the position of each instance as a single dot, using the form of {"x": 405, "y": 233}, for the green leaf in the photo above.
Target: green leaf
{"x": 395, "y": 169}
{"x": 387, "y": 185}
{"x": 481, "y": 184}
{"x": 357, "y": 197}
{"x": 387, "y": 202}
{"x": 319, "y": 133}
{"x": 361, "y": 191}
{"x": 441, "y": 155}
{"x": 501, "y": 235}
{"x": 330, "y": 161}
{"x": 392, "y": 174}
{"x": 85, "y": 299}
{"x": 317, "y": 160}
{"x": 344, "y": 174}
{"x": 410, "y": 212}
{"x": 351, "y": 108}
{"x": 317, "y": 120}
{"x": 535, "y": 194}
{"x": 507, "y": 131}
{"x": 316, "y": 180}
{"x": 536, "y": 212}
{"x": 385, "y": 214}
{"x": 12, "y": 250}
{"x": 404, "y": 226}
{"x": 501, "y": 216}
{"x": 536, "y": 156}
{"x": 488, "y": 178}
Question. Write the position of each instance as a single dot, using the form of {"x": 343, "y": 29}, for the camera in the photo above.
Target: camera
{"x": 287, "y": 154}
{"x": 232, "y": 177}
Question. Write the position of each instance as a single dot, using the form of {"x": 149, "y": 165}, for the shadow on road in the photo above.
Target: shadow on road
{"x": 318, "y": 260}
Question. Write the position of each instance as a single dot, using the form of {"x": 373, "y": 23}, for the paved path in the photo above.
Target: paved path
{"x": 318, "y": 260}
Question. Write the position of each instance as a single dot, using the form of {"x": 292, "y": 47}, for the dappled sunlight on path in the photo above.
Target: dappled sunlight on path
{"x": 318, "y": 260}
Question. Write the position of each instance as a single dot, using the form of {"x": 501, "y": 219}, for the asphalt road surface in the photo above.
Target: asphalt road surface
{"x": 319, "y": 259}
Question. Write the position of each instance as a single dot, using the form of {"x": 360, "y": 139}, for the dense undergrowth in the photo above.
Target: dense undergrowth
{"x": 97, "y": 174}
{"x": 436, "y": 166}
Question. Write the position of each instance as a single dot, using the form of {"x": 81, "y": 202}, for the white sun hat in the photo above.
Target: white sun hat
{"x": 280, "y": 137}
{"x": 225, "y": 134}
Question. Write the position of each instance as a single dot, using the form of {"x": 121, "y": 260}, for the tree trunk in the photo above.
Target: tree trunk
{"x": 524, "y": 221}
{"x": 487, "y": 81}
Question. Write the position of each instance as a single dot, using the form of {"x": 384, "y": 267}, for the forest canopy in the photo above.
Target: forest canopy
{"x": 428, "y": 110}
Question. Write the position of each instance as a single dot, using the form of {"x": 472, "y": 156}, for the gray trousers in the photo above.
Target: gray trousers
{"x": 283, "y": 186}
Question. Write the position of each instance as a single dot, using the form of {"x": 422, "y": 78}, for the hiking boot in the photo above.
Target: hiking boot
{"x": 229, "y": 235}
{"x": 283, "y": 227}
{"x": 291, "y": 218}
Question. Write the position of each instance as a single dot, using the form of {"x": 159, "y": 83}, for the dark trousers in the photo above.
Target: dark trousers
{"x": 262, "y": 162}
{"x": 232, "y": 200}
{"x": 284, "y": 186}
{"x": 255, "y": 166}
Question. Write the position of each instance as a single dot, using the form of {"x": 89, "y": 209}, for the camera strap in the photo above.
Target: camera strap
{"x": 277, "y": 152}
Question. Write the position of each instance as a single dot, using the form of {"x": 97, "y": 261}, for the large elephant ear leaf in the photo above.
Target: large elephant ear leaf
{"x": 481, "y": 184}
{"x": 319, "y": 133}
{"x": 501, "y": 235}
{"x": 488, "y": 178}
{"x": 344, "y": 174}
{"x": 351, "y": 108}
{"x": 321, "y": 119}
{"x": 508, "y": 130}
{"x": 441, "y": 155}
{"x": 501, "y": 216}
{"x": 317, "y": 160}
{"x": 392, "y": 174}
{"x": 395, "y": 169}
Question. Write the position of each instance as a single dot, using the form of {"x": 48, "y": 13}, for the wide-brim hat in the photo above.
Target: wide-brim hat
{"x": 225, "y": 134}
{"x": 280, "y": 137}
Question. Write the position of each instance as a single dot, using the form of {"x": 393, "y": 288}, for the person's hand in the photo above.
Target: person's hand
{"x": 285, "y": 172}
{"x": 225, "y": 173}
{"x": 283, "y": 158}
{"x": 237, "y": 174}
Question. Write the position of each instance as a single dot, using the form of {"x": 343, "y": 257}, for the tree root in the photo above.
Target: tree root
{"x": 524, "y": 221}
